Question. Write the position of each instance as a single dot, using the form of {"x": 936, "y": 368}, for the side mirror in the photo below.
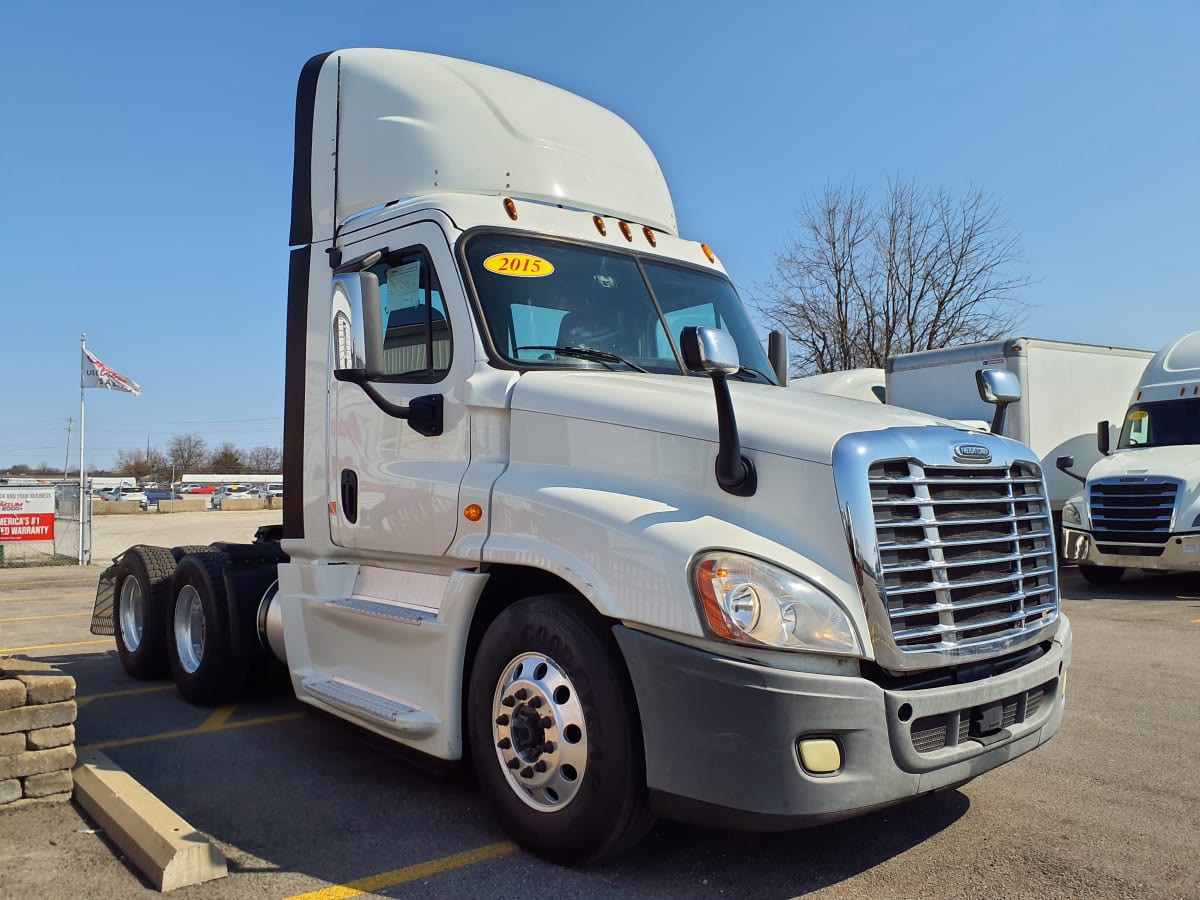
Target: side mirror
{"x": 1064, "y": 464}
{"x": 357, "y": 326}
{"x": 1102, "y": 437}
{"x": 777, "y": 353}
{"x": 714, "y": 353}
{"x": 709, "y": 351}
{"x": 999, "y": 387}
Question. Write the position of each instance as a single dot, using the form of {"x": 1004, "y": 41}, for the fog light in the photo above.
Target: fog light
{"x": 820, "y": 756}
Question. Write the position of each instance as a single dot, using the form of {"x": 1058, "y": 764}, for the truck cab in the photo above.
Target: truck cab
{"x": 551, "y": 511}
{"x": 1141, "y": 505}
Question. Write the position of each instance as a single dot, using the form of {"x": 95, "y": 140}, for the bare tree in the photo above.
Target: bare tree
{"x": 142, "y": 464}
{"x": 187, "y": 452}
{"x": 264, "y": 460}
{"x": 923, "y": 270}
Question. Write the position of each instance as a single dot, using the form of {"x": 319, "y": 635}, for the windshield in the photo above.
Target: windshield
{"x": 1167, "y": 423}
{"x": 556, "y": 304}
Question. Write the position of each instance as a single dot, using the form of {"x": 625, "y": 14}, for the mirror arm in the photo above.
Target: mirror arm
{"x": 1064, "y": 463}
{"x": 998, "y": 418}
{"x": 424, "y": 415}
{"x": 735, "y": 473}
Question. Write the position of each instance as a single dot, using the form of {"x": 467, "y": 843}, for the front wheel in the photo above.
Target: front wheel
{"x": 555, "y": 733}
{"x": 1101, "y": 574}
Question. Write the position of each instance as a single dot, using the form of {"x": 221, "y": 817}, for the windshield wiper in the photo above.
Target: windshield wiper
{"x": 600, "y": 356}
{"x": 753, "y": 373}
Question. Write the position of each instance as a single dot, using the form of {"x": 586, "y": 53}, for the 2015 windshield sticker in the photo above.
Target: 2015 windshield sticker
{"x": 1137, "y": 415}
{"x": 519, "y": 265}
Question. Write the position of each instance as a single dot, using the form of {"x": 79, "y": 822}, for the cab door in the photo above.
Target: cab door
{"x": 395, "y": 489}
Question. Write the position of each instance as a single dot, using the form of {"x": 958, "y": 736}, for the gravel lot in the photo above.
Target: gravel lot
{"x": 113, "y": 534}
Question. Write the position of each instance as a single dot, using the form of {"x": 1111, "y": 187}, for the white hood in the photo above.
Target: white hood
{"x": 798, "y": 424}
{"x": 1171, "y": 462}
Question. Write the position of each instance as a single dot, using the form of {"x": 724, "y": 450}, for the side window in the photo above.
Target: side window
{"x": 417, "y": 343}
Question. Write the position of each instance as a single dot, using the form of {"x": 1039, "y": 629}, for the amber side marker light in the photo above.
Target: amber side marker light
{"x": 708, "y": 252}
{"x": 627, "y": 231}
{"x": 649, "y": 233}
{"x": 473, "y": 513}
{"x": 600, "y": 226}
{"x": 511, "y": 208}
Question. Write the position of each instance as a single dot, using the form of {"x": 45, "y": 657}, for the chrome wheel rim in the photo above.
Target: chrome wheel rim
{"x": 539, "y": 732}
{"x": 132, "y": 613}
{"x": 189, "y": 629}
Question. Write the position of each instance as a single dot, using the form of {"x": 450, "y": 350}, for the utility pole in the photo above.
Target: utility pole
{"x": 67, "y": 461}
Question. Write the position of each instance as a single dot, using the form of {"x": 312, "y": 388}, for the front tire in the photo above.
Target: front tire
{"x": 555, "y": 733}
{"x": 142, "y": 585}
{"x": 1101, "y": 574}
{"x": 205, "y": 669}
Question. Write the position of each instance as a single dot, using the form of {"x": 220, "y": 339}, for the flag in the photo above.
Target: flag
{"x": 97, "y": 375}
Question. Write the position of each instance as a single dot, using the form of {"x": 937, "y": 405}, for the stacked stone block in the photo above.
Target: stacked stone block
{"x": 37, "y": 732}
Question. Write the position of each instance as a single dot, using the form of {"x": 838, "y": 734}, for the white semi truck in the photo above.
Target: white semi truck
{"x": 1140, "y": 508}
{"x": 551, "y": 511}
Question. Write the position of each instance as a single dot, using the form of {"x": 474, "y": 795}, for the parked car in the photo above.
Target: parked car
{"x": 154, "y": 496}
{"x": 228, "y": 492}
{"x": 273, "y": 490}
{"x": 125, "y": 495}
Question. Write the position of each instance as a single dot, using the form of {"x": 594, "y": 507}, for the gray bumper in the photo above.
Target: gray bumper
{"x": 1181, "y": 552}
{"x": 721, "y": 734}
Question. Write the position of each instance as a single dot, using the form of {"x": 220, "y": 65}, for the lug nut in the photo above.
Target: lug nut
{"x": 536, "y": 702}
{"x": 509, "y": 701}
{"x": 513, "y": 763}
{"x": 522, "y": 694}
{"x": 548, "y": 747}
{"x": 527, "y": 772}
{"x": 546, "y": 721}
{"x": 539, "y": 766}
{"x": 502, "y": 720}
{"x": 504, "y": 743}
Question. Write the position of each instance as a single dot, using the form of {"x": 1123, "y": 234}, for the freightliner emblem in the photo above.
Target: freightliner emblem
{"x": 972, "y": 453}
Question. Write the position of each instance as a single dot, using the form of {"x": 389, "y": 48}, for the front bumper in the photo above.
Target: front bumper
{"x": 1181, "y": 552}
{"x": 721, "y": 734}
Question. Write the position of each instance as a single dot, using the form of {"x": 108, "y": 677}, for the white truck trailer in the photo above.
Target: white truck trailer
{"x": 1140, "y": 508}
{"x": 1065, "y": 389}
{"x": 551, "y": 511}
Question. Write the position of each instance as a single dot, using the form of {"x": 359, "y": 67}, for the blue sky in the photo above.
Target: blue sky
{"x": 145, "y": 165}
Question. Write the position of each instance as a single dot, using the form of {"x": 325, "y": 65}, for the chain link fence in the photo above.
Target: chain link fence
{"x": 70, "y": 537}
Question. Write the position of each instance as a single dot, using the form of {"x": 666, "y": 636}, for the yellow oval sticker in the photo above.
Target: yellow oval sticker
{"x": 518, "y": 265}
{"x": 1137, "y": 415}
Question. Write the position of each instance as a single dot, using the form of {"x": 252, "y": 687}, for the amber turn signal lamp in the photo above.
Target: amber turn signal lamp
{"x": 473, "y": 513}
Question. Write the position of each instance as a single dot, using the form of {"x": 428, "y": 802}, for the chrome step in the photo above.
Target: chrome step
{"x": 380, "y": 609}
{"x": 395, "y": 715}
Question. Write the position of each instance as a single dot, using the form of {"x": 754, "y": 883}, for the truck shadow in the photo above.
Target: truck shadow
{"x": 1136, "y": 584}
{"x": 307, "y": 795}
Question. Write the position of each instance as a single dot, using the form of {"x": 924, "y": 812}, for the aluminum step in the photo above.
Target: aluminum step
{"x": 381, "y": 609}
{"x": 391, "y": 713}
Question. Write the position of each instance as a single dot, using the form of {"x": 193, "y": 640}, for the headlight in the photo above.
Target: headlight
{"x": 753, "y": 602}
{"x": 1071, "y": 514}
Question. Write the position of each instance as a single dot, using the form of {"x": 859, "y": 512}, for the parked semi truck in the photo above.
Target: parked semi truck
{"x": 1065, "y": 389}
{"x": 552, "y": 512}
{"x": 1140, "y": 508}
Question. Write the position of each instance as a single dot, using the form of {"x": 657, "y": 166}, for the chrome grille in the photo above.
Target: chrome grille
{"x": 966, "y": 554}
{"x": 1132, "y": 510}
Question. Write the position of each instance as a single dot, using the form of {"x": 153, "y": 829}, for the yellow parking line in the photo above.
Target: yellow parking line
{"x": 188, "y": 732}
{"x": 4, "y": 650}
{"x": 217, "y": 720}
{"x": 37, "y": 618}
{"x": 410, "y": 873}
{"x": 132, "y": 692}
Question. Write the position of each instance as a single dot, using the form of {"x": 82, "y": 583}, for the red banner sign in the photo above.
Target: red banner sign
{"x": 26, "y": 514}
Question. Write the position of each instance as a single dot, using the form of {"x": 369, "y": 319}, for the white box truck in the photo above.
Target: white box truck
{"x": 1140, "y": 508}
{"x": 1065, "y": 389}
{"x": 551, "y": 511}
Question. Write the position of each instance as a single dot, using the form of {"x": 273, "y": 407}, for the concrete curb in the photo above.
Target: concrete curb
{"x": 169, "y": 851}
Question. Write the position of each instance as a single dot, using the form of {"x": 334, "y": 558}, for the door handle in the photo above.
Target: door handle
{"x": 350, "y": 495}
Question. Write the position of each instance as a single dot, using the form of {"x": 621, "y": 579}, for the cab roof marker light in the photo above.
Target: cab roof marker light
{"x": 649, "y": 233}
{"x": 510, "y": 207}
{"x": 600, "y": 226}
{"x": 626, "y": 230}
{"x": 708, "y": 253}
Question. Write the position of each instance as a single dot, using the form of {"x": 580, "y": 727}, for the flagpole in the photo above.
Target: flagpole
{"x": 84, "y": 498}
